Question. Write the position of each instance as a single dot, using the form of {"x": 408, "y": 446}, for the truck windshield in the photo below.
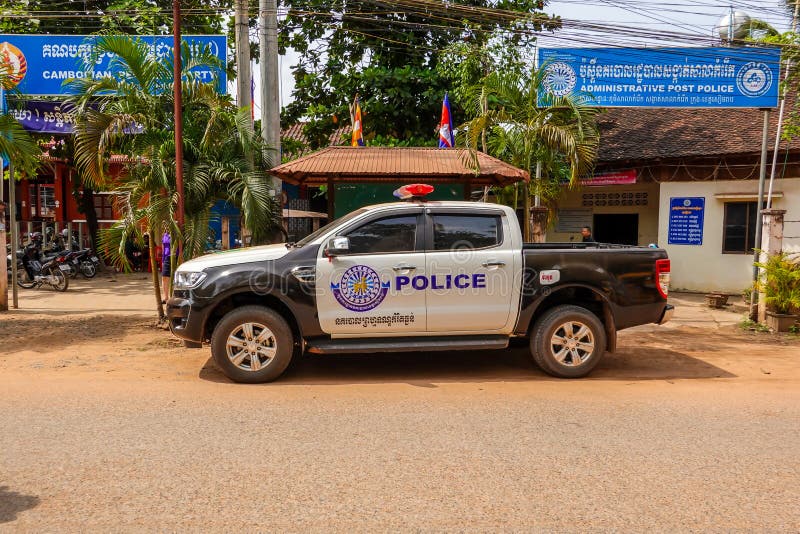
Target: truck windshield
{"x": 341, "y": 220}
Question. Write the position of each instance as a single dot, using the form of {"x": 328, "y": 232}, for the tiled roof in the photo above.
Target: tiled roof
{"x": 383, "y": 164}
{"x": 629, "y": 134}
{"x": 295, "y": 133}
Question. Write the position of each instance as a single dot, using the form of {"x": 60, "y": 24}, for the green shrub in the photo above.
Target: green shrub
{"x": 780, "y": 282}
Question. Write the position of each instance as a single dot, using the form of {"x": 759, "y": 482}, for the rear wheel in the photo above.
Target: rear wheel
{"x": 23, "y": 279}
{"x": 88, "y": 270}
{"x": 252, "y": 344}
{"x": 568, "y": 341}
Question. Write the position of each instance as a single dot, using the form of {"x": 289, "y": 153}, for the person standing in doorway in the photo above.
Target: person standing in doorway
{"x": 166, "y": 250}
{"x": 586, "y": 233}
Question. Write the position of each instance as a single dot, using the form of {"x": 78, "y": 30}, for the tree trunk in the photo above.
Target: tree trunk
{"x": 538, "y": 219}
{"x": 86, "y": 206}
{"x": 527, "y": 219}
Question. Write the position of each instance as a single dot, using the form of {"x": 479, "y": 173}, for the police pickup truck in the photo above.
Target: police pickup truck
{"x": 417, "y": 276}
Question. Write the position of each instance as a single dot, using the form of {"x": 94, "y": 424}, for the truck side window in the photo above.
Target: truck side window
{"x": 392, "y": 234}
{"x": 465, "y": 231}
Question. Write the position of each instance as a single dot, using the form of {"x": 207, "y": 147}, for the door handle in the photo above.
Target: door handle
{"x": 494, "y": 263}
{"x": 404, "y": 267}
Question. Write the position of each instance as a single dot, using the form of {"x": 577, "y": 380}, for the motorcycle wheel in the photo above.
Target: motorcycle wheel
{"x": 88, "y": 270}
{"x": 62, "y": 281}
{"x": 23, "y": 280}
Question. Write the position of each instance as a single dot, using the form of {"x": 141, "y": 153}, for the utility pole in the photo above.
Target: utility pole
{"x": 270, "y": 83}
{"x": 12, "y": 202}
{"x": 762, "y": 174}
{"x": 178, "y": 110}
{"x": 3, "y": 269}
{"x": 242, "y": 36}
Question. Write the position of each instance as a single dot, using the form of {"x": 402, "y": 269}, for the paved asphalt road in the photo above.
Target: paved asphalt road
{"x": 106, "y": 424}
{"x": 533, "y": 454}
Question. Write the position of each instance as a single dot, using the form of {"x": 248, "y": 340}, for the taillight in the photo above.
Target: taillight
{"x": 662, "y": 277}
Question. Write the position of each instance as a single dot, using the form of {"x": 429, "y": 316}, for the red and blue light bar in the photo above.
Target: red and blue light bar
{"x": 413, "y": 191}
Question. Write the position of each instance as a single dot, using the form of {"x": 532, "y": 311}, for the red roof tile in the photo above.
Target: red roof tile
{"x": 384, "y": 164}
{"x": 295, "y": 133}
{"x": 628, "y": 134}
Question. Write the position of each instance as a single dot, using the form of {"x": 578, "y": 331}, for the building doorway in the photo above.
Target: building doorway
{"x": 617, "y": 228}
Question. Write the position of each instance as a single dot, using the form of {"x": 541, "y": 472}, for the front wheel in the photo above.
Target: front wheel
{"x": 252, "y": 344}
{"x": 568, "y": 341}
{"x": 62, "y": 281}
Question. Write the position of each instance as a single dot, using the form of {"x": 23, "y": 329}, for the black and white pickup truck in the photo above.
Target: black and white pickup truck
{"x": 417, "y": 276}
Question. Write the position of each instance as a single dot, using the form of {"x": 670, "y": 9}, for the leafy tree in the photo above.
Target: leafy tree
{"x": 136, "y": 17}
{"x": 223, "y": 158}
{"x": 17, "y": 146}
{"x": 387, "y": 52}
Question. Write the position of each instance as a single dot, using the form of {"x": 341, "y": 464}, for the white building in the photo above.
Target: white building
{"x": 688, "y": 181}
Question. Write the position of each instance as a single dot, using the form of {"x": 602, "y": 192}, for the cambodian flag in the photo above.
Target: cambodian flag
{"x": 253, "y": 99}
{"x": 446, "y": 139}
{"x": 358, "y": 136}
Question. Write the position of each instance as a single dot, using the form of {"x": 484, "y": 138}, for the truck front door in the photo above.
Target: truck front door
{"x": 364, "y": 291}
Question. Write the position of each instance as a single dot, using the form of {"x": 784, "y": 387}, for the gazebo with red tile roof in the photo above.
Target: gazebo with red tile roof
{"x": 372, "y": 165}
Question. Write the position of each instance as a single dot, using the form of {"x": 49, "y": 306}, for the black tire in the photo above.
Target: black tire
{"x": 63, "y": 283}
{"x": 281, "y": 339}
{"x": 23, "y": 280}
{"x": 88, "y": 270}
{"x": 557, "y": 359}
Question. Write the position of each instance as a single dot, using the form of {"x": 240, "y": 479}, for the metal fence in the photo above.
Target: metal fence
{"x": 77, "y": 233}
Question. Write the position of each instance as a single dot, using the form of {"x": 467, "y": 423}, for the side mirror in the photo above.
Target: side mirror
{"x": 338, "y": 245}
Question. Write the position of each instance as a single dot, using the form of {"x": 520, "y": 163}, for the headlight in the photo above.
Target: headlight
{"x": 188, "y": 280}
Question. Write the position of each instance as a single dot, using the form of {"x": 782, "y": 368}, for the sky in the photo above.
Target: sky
{"x": 633, "y": 23}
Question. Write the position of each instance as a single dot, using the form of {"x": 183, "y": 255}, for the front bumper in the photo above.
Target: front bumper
{"x": 669, "y": 310}
{"x": 183, "y": 322}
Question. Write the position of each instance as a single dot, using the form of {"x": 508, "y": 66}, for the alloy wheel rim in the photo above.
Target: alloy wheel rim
{"x": 572, "y": 343}
{"x": 251, "y": 346}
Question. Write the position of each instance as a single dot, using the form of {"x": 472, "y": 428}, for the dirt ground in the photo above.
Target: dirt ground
{"x": 110, "y": 423}
{"x": 107, "y": 325}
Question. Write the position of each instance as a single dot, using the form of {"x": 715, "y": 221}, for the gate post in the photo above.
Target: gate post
{"x": 771, "y": 244}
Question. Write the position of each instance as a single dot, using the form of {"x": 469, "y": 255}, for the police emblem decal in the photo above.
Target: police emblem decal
{"x": 754, "y": 79}
{"x": 360, "y": 289}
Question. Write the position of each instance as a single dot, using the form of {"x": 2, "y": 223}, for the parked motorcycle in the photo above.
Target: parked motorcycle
{"x": 33, "y": 272}
{"x": 86, "y": 262}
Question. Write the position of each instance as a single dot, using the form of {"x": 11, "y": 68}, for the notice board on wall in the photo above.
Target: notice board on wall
{"x": 686, "y": 220}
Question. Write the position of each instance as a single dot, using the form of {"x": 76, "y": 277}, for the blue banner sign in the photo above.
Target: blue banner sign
{"x": 44, "y": 117}
{"x": 40, "y": 64}
{"x": 734, "y": 77}
{"x": 686, "y": 220}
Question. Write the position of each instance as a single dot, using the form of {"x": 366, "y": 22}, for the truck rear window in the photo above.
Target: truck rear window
{"x": 465, "y": 231}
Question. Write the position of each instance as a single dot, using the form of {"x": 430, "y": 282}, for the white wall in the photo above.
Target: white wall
{"x": 648, "y": 214}
{"x": 705, "y": 268}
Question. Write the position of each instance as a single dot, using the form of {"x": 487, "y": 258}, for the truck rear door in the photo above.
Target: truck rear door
{"x": 471, "y": 265}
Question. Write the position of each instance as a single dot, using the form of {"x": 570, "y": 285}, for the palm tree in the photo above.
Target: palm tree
{"x": 133, "y": 116}
{"x": 16, "y": 145}
{"x": 525, "y": 127}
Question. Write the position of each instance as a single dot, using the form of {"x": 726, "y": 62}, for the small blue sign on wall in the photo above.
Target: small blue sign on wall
{"x": 686, "y": 220}
{"x": 40, "y": 64}
{"x": 712, "y": 77}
